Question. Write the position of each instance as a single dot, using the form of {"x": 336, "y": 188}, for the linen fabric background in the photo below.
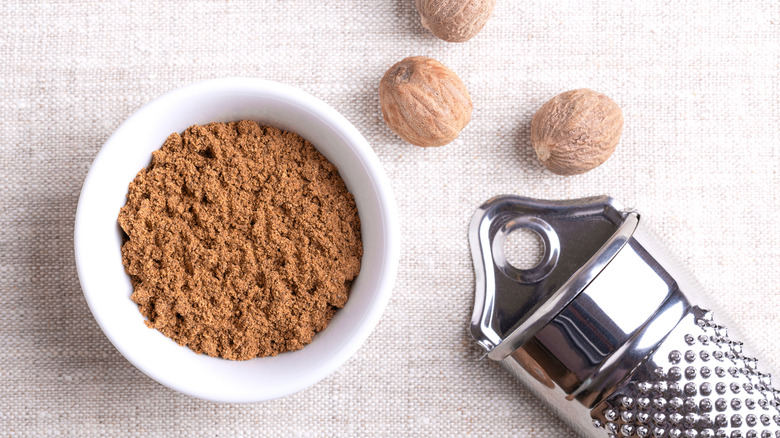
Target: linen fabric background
{"x": 698, "y": 82}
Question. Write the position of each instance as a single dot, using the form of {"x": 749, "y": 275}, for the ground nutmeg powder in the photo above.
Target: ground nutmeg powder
{"x": 241, "y": 240}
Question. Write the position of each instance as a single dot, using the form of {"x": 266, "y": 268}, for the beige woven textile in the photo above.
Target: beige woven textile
{"x": 698, "y": 81}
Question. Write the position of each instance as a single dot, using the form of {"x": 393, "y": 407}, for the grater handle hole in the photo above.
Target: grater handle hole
{"x": 526, "y": 249}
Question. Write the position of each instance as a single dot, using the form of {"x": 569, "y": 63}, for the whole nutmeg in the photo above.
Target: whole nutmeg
{"x": 576, "y": 131}
{"x": 455, "y": 20}
{"x": 424, "y": 102}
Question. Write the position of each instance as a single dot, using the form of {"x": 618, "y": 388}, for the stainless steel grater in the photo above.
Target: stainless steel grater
{"x": 608, "y": 330}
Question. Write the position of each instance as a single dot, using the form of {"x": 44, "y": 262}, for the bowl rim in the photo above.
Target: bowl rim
{"x": 359, "y": 145}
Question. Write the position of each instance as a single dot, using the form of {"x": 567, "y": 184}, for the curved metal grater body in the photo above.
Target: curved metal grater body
{"x": 697, "y": 384}
{"x": 609, "y": 329}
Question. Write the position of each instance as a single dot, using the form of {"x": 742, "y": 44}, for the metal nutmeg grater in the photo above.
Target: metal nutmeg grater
{"x": 608, "y": 330}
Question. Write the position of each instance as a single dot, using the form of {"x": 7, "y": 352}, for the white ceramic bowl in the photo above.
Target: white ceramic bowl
{"x": 107, "y": 288}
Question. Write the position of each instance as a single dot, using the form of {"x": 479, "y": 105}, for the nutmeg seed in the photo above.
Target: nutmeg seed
{"x": 455, "y": 20}
{"x": 576, "y": 131}
{"x": 424, "y": 102}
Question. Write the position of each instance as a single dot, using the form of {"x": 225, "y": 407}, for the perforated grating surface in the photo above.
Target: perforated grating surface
{"x": 698, "y": 384}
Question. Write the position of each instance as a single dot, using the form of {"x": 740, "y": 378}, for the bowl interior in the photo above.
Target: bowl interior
{"x": 98, "y": 238}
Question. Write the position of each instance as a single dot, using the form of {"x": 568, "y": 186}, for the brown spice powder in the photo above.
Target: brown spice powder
{"x": 241, "y": 240}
